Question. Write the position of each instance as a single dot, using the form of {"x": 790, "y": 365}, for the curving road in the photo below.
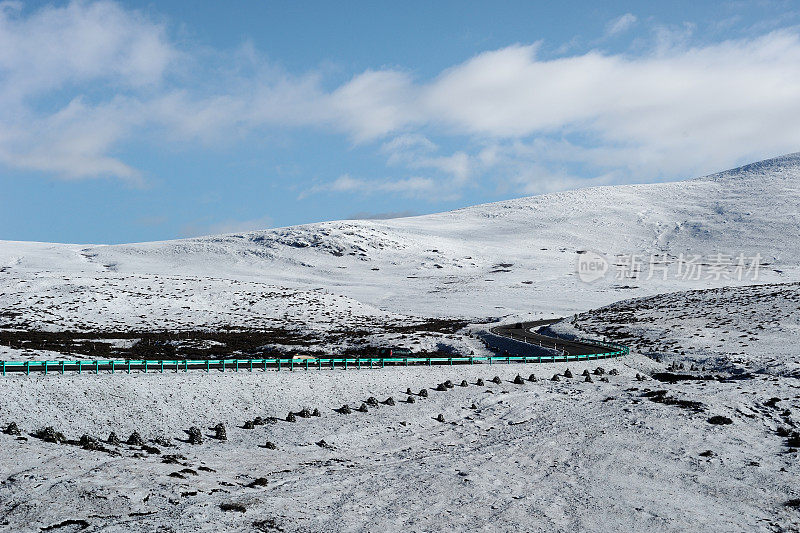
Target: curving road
{"x": 523, "y": 331}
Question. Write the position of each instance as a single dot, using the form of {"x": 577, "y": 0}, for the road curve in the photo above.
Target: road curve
{"x": 523, "y": 331}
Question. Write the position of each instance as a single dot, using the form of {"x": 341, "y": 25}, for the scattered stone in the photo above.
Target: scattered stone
{"x": 135, "y": 439}
{"x": 613, "y": 372}
{"x": 423, "y": 393}
{"x": 555, "y": 377}
{"x": 794, "y": 503}
{"x": 410, "y": 399}
{"x": 12, "y": 429}
{"x": 316, "y": 412}
{"x": 440, "y": 418}
{"x": 639, "y": 377}
{"x": 323, "y": 444}
{"x": 113, "y": 440}
{"x": 345, "y": 409}
{"x": 772, "y": 402}
{"x": 231, "y": 506}
{"x": 258, "y": 421}
{"x": 220, "y": 433}
{"x": 408, "y": 391}
{"x": 363, "y": 408}
{"x": 496, "y": 380}
{"x": 49, "y": 434}
{"x": 291, "y": 417}
{"x": 271, "y": 420}
{"x": 480, "y": 382}
{"x": 87, "y": 442}
{"x": 793, "y": 440}
{"x": 151, "y": 449}
{"x": 372, "y": 401}
{"x": 464, "y": 383}
{"x": 473, "y": 406}
{"x": 719, "y": 420}
{"x": 588, "y": 379}
{"x": 304, "y": 413}
{"x": 249, "y": 424}
{"x": 707, "y": 453}
{"x": 259, "y": 482}
{"x": 599, "y": 371}
{"x": 441, "y": 387}
{"x": 661, "y": 396}
{"x": 605, "y": 379}
{"x": 195, "y": 436}
{"x": 163, "y": 441}
{"x": 567, "y": 373}
{"x": 270, "y": 445}
{"x": 585, "y": 372}
{"x": 389, "y": 401}
{"x": 518, "y": 380}
{"x": 449, "y": 384}
{"x": 532, "y": 377}
{"x": 79, "y": 525}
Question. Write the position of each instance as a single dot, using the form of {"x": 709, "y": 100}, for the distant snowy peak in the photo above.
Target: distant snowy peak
{"x": 786, "y": 167}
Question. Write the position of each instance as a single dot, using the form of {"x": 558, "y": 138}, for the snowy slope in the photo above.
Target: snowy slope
{"x": 743, "y": 329}
{"x": 509, "y": 258}
{"x": 627, "y": 454}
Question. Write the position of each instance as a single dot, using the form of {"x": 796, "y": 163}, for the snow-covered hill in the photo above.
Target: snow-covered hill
{"x": 577, "y": 453}
{"x": 516, "y": 257}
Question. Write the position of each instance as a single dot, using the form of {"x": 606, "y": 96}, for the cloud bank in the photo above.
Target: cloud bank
{"x": 80, "y": 81}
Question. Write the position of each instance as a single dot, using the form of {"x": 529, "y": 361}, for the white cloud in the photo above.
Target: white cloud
{"x": 620, "y": 24}
{"x": 414, "y": 186}
{"x": 58, "y": 47}
{"x": 78, "y": 81}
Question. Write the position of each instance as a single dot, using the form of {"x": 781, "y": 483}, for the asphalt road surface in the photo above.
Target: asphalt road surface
{"x": 523, "y": 331}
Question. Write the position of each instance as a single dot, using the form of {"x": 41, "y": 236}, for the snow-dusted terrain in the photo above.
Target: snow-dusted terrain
{"x": 509, "y": 258}
{"x": 705, "y": 438}
{"x": 746, "y": 329}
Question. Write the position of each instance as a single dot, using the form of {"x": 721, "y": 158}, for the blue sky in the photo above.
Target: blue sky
{"x": 133, "y": 121}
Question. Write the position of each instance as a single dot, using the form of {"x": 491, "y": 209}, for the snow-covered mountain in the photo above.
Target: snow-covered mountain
{"x": 574, "y": 453}
{"x": 515, "y": 257}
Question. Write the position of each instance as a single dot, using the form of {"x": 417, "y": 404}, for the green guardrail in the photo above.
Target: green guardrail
{"x": 128, "y": 365}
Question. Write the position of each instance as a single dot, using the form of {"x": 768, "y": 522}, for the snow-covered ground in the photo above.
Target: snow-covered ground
{"x": 713, "y": 451}
{"x": 745, "y": 329}
{"x": 516, "y": 257}
{"x": 543, "y": 456}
